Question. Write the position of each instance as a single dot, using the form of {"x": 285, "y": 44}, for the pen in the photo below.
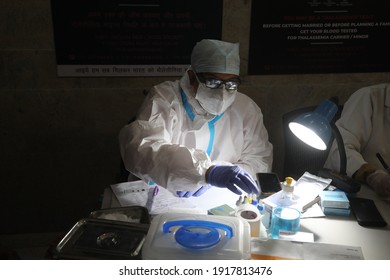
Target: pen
{"x": 378, "y": 155}
{"x": 151, "y": 196}
{"x": 155, "y": 191}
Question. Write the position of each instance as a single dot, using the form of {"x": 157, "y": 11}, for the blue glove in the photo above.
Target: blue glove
{"x": 233, "y": 178}
{"x": 199, "y": 192}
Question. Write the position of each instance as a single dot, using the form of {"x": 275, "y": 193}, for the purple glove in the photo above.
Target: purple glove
{"x": 199, "y": 192}
{"x": 233, "y": 178}
{"x": 380, "y": 182}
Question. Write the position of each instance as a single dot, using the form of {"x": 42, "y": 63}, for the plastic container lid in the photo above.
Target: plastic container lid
{"x": 104, "y": 239}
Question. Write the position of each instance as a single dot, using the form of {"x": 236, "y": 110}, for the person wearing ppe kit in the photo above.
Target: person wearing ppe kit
{"x": 199, "y": 132}
{"x": 365, "y": 127}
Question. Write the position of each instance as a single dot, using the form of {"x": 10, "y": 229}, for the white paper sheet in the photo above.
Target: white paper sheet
{"x": 140, "y": 193}
{"x": 215, "y": 197}
{"x": 284, "y": 249}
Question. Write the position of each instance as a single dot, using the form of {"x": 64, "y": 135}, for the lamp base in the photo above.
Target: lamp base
{"x": 342, "y": 182}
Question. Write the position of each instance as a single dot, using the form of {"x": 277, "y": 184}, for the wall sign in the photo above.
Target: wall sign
{"x": 319, "y": 36}
{"x": 131, "y": 37}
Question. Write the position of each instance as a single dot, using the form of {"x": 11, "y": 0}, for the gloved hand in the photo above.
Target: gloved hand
{"x": 233, "y": 178}
{"x": 380, "y": 182}
{"x": 199, "y": 192}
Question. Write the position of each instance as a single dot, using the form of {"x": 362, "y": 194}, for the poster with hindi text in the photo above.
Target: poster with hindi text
{"x": 131, "y": 37}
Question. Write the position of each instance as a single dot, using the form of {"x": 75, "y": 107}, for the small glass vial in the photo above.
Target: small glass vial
{"x": 287, "y": 195}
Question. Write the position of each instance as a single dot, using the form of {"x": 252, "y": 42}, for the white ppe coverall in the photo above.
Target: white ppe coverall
{"x": 174, "y": 141}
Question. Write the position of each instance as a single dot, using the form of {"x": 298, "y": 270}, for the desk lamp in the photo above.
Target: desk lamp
{"x": 315, "y": 129}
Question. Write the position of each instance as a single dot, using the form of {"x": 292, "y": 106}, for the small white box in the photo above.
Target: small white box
{"x": 334, "y": 199}
{"x": 333, "y": 211}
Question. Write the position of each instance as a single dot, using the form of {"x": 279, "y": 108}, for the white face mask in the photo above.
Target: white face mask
{"x": 215, "y": 101}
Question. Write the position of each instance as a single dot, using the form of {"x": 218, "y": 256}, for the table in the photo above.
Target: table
{"x": 375, "y": 242}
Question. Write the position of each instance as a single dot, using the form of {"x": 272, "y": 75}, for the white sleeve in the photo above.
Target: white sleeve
{"x": 148, "y": 152}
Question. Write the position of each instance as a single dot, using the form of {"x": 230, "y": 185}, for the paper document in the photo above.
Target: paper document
{"x": 282, "y": 249}
{"x": 140, "y": 193}
{"x": 215, "y": 197}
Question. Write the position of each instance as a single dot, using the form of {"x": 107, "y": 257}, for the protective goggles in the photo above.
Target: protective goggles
{"x": 216, "y": 83}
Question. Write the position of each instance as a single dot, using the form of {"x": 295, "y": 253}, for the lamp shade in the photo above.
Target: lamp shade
{"x": 314, "y": 128}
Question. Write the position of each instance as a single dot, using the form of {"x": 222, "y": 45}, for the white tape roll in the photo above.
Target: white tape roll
{"x": 251, "y": 214}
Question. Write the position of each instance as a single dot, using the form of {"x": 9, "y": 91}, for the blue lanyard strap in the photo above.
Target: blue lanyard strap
{"x": 186, "y": 105}
{"x": 212, "y": 133}
{"x": 211, "y": 123}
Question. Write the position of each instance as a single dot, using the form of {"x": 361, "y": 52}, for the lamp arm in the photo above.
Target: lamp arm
{"x": 341, "y": 147}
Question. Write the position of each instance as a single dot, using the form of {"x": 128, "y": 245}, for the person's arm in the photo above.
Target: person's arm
{"x": 356, "y": 127}
{"x": 148, "y": 152}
